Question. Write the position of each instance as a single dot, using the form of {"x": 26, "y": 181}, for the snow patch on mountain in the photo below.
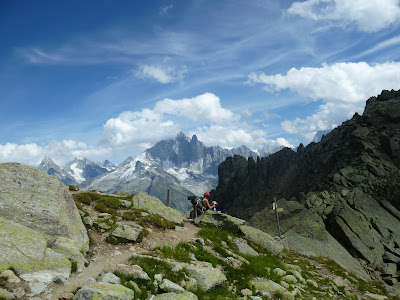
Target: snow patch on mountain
{"x": 76, "y": 172}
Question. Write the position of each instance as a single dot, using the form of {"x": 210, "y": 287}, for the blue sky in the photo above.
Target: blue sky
{"x": 108, "y": 79}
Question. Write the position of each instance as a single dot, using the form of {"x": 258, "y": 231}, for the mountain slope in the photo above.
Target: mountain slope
{"x": 193, "y": 163}
{"x": 142, "y": 173}
{"x": 76, "y": 171}
{"x": 184, "y": 165}
{"x": 82, "y": 169}
{"x": 350, "y": 181}
{"x": 50, "y": 167}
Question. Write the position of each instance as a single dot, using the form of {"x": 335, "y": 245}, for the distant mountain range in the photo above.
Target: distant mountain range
{"x": 76, "y": 171}
{"x": 184, "y": 165}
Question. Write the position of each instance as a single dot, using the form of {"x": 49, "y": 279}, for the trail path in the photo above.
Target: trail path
{"x": 106, "y": 255}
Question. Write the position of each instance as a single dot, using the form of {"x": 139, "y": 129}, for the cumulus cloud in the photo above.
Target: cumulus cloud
{"x": 206, "y": 106}
{"x": 369, "y": 16}
{"x": 343, "y": 88}
{"x": 148, "y": 126}
{"x": 277, "y": 143}
{"x": 231, "y": 136}
{"x": 162, "y": 74}
{"x": 61, "y": 152}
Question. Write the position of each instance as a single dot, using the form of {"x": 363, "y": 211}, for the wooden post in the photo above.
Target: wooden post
{"x": 168, "y": 200}
{"x": 277, "y": 210}
{"x": 277, "y": 216}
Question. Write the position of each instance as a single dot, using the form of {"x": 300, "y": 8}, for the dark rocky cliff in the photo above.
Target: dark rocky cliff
{"x": 350, "y": 179}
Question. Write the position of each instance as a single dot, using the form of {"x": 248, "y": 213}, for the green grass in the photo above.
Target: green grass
{"x": 179, "y": 253}
{"x": 101, "y": 207}
{"x": 216, "y": 235}
{"x": 73, "y": 188}
{"x": 74, "y": 266}
{"x": 151, "y": 267}
{"x": 150, "y": 219}
{"x": 372, "y": 286}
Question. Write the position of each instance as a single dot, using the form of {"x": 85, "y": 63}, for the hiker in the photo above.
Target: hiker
{"x": 207, "y": 204}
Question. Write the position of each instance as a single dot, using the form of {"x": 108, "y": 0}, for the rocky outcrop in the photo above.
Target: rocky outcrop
{"x": 175, "y": 296}
{"x": 154, "y": 206}
{"x": 36, "y": 212}
{"x": 207, "y": 278}
{"x": 104, "y": 290}
{"x": 236, "y": 225}
{"x": 348, "y": 183}
{"x": 126, "y": 233}
{"x": 306, "y": 234}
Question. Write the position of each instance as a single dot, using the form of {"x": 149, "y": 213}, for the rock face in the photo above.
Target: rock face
{"x": 155, "y": 206}
{"x": 36, "y": 210}
{"x": 235, "y": 225}
{"x": 349, "y": 180}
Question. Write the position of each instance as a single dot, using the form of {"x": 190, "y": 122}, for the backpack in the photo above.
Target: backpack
{"x": 198, "y": 207}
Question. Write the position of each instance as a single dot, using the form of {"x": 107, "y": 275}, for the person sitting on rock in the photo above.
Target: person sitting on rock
{"x": 207, "y": 204}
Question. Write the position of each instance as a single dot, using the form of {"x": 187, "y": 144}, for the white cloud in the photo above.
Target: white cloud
{"x": 204, "y": 107}
{"x": 247, "y": 113}
{"x": 61, "y": 152}
{"x": 145, "y": 128}
{"x": 165, "y": 9}
{"x": 279, "y": 142}
{"x": 161, "y": 74}
{"x": 231, "y": 136}
{"x": 28, "y": 153}
{"x": 343, "y": 87}
{"x": 369, "y": 16}
{"x": 270, "y": 116}
{"x": 137, "y": 130}
{"x": 392, "y": 42}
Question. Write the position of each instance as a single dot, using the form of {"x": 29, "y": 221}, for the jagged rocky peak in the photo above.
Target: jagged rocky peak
{"x": 108, "y": 165}
{"x": 47, "y": 163}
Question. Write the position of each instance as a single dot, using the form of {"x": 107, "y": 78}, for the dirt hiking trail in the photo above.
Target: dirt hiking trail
{"x": 104, "y": 254}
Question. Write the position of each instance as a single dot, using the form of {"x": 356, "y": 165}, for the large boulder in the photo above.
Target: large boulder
{"x": 154, "y": 206}
{"x": 41, "y": 202}
{"x": 261, "y": 238}
{"x": 207, "y": 278}
{"x": 130, "y": 270}
{"x": 221, "y": 220}
{"x": 36, "y": 209}
{"x": 175, "y": 296}
{"x": 104, "y": 290}
{"x": 270, "y": 287}
{"x": 26, "y": 250}
{"x": 126, "y": 233}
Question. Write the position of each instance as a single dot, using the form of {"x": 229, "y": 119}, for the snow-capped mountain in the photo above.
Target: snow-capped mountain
{"x": 107, "y": 165}
{"x": 191, "y": 154}
{"x": 185, "y": 165}
{"x": 50, "y": 167}
{"x": 143, "y": 173}
{"x": 82, "y": 169}
{"x": 320, "y": 134}
{"x": 76, "y": 171}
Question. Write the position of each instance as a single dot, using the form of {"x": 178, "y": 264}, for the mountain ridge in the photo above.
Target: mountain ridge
{"x": 348, "y": 183}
